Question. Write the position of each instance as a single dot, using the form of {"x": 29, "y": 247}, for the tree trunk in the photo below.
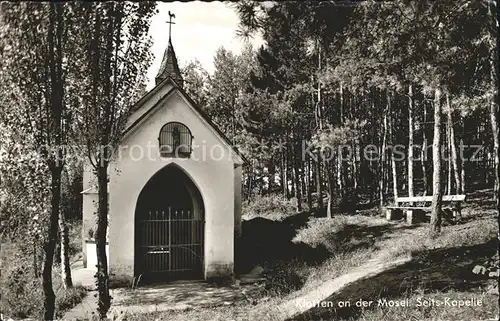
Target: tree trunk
{"x": 303, "y": 187}
{"x": 319, "y": 183}
{"x": 462, "y": 172}
{"x": 410, "y": 141}
{"x": 65, "y": 263}
{"x": 330, "y": 189}
{"x": 319, "y": 123}
{"x": 104, "y": 299}
{"x": 36, "y": 271}
{"x": 340, "y": 176}
{"x": 298, "y": 183}
{"x": 271, "y": 173}
{"x": 284, "y": 175}
{"x": 494, "y": 103}
{"x": 382, "y": 180}
{"x": 55, "y": 130}
{"x": 437, "y": 192}
{"x": 308, "y": 183}
{"x": 453, "y": 150}
{"x": 485, "y": 166}
{"x": 372, "y": 169}
{"x": 297, "y": 164}
{"x": 250, "y": 181}
{"x": 393, "y": 161}
{"x": 290, "y": 169}
{"x": 496, "y": 150}
{"x": 448, "y": 148}
{"x": 423, "y": 152}
{"x": 356, "y": 169}
{"x": 341, "y": 168}
{"x": 50, "y": 245}
{"x": 292, "y": 177}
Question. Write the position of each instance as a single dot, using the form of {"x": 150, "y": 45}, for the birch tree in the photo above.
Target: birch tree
{"x": 38, "y": 42}
{"x": 116, "y": 61}
{"x": 437, "y": 190}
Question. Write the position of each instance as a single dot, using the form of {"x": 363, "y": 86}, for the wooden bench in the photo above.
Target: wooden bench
{"x": 416, "y": 208}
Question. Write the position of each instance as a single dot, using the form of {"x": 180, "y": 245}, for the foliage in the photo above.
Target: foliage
{"x": 335, "y": 138}
{"x": 490, "y": 267}
{"x": 283, "y": 278}
{"x": 24, "y": 193}
{"x": 66, "y": 299}
{"x": 195, "y": 82}
{"x": 272, "y": 207}
{"x": 115, "y": 76}
{"x": 22, "y": 295}
{"x": 72, "y": 180}
{"x": 38, "y": 43}
{"x": 325, "y": 70}
{"x": 77, "y": 86}
{"x": 115, "y": 61}
{"x": 21, "y": 292}
{"x": 336, "y": 234}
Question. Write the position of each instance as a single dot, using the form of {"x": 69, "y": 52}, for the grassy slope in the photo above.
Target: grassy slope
{"x": 440, "y": 267}
{"x": 22, "y": 295}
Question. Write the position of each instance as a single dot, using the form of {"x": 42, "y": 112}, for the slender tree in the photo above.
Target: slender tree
{"x": 410, "y": 140}
{"x": 40, "y": 43}
{"x": 116, "y": 61}
{"x": 494, "y": 101}
{"x": 453, "y": 148}
{"x": 437, "y": 190}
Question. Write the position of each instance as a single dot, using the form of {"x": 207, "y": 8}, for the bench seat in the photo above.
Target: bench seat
{"x": 451, "y": 203}
{"x": 415, "y": 199}
{"x": 425, "y": 208}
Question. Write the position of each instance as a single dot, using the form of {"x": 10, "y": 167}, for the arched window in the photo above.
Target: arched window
{"x": 175, "y": 140}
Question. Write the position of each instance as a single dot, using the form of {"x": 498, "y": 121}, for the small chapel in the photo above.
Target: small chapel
{"x": 174, "y": 191}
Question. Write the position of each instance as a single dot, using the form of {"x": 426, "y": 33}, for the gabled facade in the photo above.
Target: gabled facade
{"x": 174, "y": 190}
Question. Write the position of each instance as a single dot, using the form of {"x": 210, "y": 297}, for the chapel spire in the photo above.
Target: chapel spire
{"x": 169, "y": 66}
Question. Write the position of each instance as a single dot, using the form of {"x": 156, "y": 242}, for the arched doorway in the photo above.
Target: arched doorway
{"x": 169, "y": 227}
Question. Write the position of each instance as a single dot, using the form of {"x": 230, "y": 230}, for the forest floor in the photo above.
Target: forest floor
{"x": 338, "y": 262}
{"x": 21, "y": 292}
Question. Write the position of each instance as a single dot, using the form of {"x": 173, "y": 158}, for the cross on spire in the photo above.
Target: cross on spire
{"x": 170, "y": 23}
{"x": 169, "y": 67}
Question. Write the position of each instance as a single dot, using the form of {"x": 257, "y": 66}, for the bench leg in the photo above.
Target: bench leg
{"x": 448, "y": 215}
{"x": 410, "y": 217}
{"x": 457, "y": 214}
{"x": 389, "y": 214}
{"x": 393, "y": 214}
{"x": 415, "y": 216}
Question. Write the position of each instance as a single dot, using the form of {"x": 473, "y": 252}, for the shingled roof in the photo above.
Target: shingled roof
{"x": 169, "y": 67}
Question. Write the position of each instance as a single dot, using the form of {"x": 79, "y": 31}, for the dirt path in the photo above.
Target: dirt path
{"x": 186, "y": 295}
{"x": 178, "y": 295}
{"x": 302, "y": 303}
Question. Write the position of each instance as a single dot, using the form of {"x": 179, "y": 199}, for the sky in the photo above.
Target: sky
{"x": 200, "y": 29}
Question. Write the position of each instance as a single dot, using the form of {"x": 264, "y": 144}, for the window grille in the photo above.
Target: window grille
{"x": 175, "y": 140}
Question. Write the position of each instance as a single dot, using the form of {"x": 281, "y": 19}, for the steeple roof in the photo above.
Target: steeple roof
{"x": 169, "y": 66}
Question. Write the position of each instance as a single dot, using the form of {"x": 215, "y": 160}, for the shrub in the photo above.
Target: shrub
{"x": 335, "y": 233}
{"x": 273, "y": 207}
{"x": 284, "y": 277}
{"x": 22, "y": 292}
{"x": 66, "y": 299}
{"x": 75, "y": 238}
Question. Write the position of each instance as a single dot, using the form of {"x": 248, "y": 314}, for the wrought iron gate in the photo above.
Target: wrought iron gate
{"x": 170, "y": 243}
